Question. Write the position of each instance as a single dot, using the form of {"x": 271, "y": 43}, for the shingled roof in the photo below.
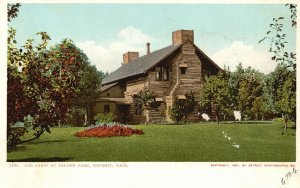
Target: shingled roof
{"x": 140, "y": 65}
{"x": 145, "y": 63}
{"x": 106, "y": 87}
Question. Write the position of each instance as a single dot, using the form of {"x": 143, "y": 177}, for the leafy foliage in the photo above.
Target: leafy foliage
{"x": 283, "y": 79}
{"x": 76, "y": 117}
{"x": 287, "y": 100}
{"x": 104, "y": 118}
{"x": 12, "y": 11}
{"x": 177, "y": 110}
{"x": 258, "y": 107}
{"x": 41, "y": 82}
{"x": 88, "y": 88}
{"x": 89, "y": 85}
{"x": 251, "y": 87}
{"x": 181, "y": 108}
{"x": 145, "y": 99}
{"x": 278, "y": 41}
{"x": 215, "y": 93}
{"x": 293, "y": 10}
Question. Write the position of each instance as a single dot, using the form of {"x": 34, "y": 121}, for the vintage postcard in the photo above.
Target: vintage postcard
{"x": 149, "y": 94}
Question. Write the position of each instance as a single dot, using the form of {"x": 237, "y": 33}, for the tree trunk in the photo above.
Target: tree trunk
{"x": 86, "y": 116}
{"x": 285, "y": 122}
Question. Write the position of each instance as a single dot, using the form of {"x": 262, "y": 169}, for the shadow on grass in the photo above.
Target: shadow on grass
{"x": 37, "y": 159}
{"x": 221, "y": 122}
{"x": 23, "y": 147}
{"x": 248, "y": 122}
{"x": 45, "y": 142}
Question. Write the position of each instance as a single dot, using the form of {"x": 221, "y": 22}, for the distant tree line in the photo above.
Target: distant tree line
{"x": 255, "y": 95}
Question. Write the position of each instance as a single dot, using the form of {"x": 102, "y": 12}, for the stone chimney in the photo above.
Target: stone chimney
{"x": 148, "y": 48}
{"x": 181, "y": 36}
{"x": 130, "y": 56}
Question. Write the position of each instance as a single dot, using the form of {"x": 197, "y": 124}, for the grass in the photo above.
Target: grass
{"x": 192, "y": 142}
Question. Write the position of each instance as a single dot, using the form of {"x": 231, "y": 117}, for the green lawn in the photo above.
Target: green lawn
{"x": 193, "y": 142}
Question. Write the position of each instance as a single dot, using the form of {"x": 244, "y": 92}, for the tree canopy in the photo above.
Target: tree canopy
{"x": 215, "y": 93}
{"x": 43, "y": 81}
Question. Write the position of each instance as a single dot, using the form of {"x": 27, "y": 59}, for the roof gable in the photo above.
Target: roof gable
{"x": 140, "y": 65}
{"x": 146, "y": 62}
{"x": 106, "y": 87}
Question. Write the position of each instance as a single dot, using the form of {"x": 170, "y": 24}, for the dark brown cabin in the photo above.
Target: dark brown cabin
{"x": 169, "y": 72}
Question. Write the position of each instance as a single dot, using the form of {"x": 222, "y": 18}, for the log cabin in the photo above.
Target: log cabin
{"x": 169, "y": 73}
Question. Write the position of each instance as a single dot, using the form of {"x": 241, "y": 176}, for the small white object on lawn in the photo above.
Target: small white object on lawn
{"x": 229, "y": 138}
{"x": 205, "y": 116}
{"x": 237, "y": 115}
{"x": 236, "y": 146}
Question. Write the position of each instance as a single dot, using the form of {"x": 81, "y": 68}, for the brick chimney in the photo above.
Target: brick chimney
{"x": 130, "y": 56}
{"x": 181, "y": 36}
{"x": 148, "y": 48}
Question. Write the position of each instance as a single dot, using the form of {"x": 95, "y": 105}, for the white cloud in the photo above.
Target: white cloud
{"x": 247, "y": 55}
{"x": 108, "y": 57}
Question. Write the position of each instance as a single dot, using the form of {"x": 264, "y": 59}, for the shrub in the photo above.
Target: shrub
{"x": 182, "y": 108}
{"x": 104, "y": 118}
{"x": 109, "y": 131}
{"x": 177, "y": 111}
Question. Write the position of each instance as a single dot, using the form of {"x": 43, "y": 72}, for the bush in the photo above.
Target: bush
{"x": 177, "y": 111}
{"x": 182, "y": 108}
{"x": 104, "y": 118}
{"x": 109, "y": 131}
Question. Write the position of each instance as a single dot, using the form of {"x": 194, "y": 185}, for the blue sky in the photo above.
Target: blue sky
{"x": 228, "y": 33}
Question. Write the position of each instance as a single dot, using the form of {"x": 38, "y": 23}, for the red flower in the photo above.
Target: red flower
{"x": 108, "y": 131}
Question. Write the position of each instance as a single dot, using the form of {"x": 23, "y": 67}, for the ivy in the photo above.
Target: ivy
{"x": 145, "y": 100}
{"x": 182, "y": 108}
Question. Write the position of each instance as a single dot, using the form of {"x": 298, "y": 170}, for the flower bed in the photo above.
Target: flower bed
{"x": 109, "y": 131}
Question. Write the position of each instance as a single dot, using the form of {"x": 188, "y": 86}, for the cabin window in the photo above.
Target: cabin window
{"x": 107, "y": 94}
{"x": 106, "y": 108}
{"x": 162, "y": 73}
{"x": 158, "y": 73}
{"x": 183, "y": 70}
{"x": 165, "y": 73}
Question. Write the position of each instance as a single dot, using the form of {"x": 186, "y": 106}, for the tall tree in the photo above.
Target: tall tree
{"x": 41, "y": 83}
{"x": 284, "y": 78}
{"x": 88, "y": 89}
{"x": 284, "y": 98}
{"x": 215, "y": 93}
{"x": 287, "y": 101}
{"x": 260, "y": 107}
{"x": 250, "y": 87}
